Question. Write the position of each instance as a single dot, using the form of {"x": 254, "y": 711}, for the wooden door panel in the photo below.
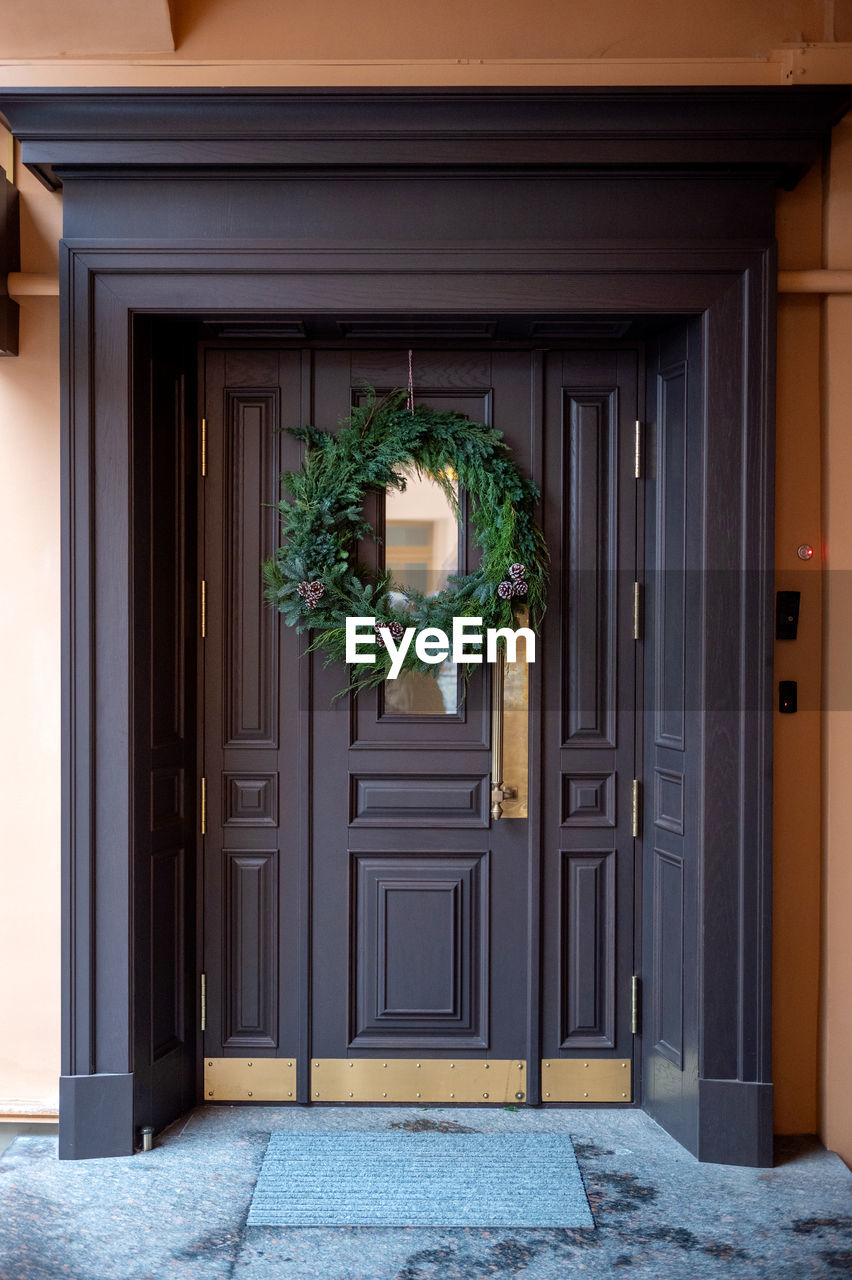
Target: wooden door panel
{"x": 250, "y": 634}
{"x": 590, "y": 569}
{"x": 168, "y": 951}
{"x": 250, "y": 947}
{"x": 164, "y": 715}
{"x": 669, "y": 584}
{"x": 398, "y": 800}
{"x": 666, "y": 995}
{"x": 431, "y": 895}
{"x": 420, "y": 951}
{"x": 589, "y": 756}
{"x": 250, "y": 712}
{"x": 588, "y": 925}
{"x": 673, "y": 733}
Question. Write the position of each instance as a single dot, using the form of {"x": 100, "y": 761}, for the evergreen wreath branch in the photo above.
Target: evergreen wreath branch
{"x": 313, "y": 578}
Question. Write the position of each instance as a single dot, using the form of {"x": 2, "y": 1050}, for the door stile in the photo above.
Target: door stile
{"x": 304, "y": 801}
{"x": 200, "y": 1013}
{"x": 641, "y": 569}
{"x": 536, "y": 790}
{"x": 589, "y": 723}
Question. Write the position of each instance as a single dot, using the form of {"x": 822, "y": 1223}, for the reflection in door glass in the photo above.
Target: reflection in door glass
{"x": 421, "y": 551}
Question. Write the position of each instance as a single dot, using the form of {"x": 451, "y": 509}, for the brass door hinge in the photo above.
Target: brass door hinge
{"x": 204, "y": 447}
{"x": 637, "y": 806}
{"x": 637, "y": 611}
{"x": 637, "y": 451}
{"x": 204, "y": 806}
{"x": 634, "y": 1005}
{"x": 204, "y": 1002}
{"x": 203, "y": 609}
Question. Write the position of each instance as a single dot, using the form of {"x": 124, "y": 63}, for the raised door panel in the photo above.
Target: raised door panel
{"x": 420, "y": 950}
{"x": 590, "y": 565}
{"x": 250, "y": 941}
{"x": 667, "y": 992}
{"x": 168, "y": 951}
{"x": 589, "y": 942}
{"x": 252, "y": 424}
{"x": 670, "y": 569}
{"x": 400, "y": 800}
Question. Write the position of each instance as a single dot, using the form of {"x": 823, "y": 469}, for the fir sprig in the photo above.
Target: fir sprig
{"x": 323, "y": 520}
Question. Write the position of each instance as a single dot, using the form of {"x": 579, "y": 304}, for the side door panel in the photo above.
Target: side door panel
{"x": 589, "y": 677}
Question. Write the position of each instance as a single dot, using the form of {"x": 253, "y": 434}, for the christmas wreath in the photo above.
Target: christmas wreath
{"x": 313, "y": 578}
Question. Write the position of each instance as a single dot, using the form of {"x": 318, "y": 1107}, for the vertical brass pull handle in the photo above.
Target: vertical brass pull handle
{"x": 499, "y": 792}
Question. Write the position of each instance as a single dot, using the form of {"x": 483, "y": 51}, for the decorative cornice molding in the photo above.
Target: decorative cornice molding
{"x": 771, "y": 130}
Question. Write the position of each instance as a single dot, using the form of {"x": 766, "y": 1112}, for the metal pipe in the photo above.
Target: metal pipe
{"x": 822, "y": 281}
{"x": 32, "y": 284}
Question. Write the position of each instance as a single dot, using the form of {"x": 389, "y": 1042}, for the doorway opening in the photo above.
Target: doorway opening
{"x": 333, "y": 898}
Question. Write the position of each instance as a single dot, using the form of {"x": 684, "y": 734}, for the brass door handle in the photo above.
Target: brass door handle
{"x": 499, "y": 792}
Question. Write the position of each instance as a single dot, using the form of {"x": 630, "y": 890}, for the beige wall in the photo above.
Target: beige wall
{"x": 798, "y": 739}
{"x": 536, "y": 29}
{"x": 29, "y": 683}
{"x": 812, "y": 1028}
{"x": 836, "y": 1065}
{"x": 426, "y": 42}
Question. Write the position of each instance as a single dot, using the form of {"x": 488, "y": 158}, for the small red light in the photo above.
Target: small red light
{"x": 805, "y": 551}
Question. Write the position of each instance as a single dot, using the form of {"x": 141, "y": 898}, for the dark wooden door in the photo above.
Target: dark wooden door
{"x": 251, "y": 747}
{"x": 371, "y": 932}
{"x": 676, "y": 708}
{"x": 421, "y": 908}
{"x": 589, "y": 745}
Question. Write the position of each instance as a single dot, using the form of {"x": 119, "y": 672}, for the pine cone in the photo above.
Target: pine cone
{"x": 304, "y": 589}
{"x": 505, "y": 590}
{"x": 395, "y": 628}
{"x": 519, "y": 587}
{"x": 517, "y": 571}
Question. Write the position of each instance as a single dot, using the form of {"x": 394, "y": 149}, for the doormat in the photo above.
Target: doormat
{"x": 420, "y": 1180}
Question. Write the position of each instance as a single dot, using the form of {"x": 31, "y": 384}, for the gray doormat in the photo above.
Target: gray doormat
{"x": 425, "y": 1180}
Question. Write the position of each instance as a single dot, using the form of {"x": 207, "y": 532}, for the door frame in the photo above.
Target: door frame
{"x": 650, "y": 202}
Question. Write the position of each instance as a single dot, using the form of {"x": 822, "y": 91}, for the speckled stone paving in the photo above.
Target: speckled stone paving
{"x": 180, "y": 1210}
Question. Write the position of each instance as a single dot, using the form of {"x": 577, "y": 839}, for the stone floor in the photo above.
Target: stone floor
{"x": 180, "y": 1210}
{"x": 12, "y": 1129}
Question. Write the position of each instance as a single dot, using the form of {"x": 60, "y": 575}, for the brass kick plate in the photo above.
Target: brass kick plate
{"x": 249, "y": 1079}
{"x": 407, "y": 1080}
{"x": 586, "y": 1080}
